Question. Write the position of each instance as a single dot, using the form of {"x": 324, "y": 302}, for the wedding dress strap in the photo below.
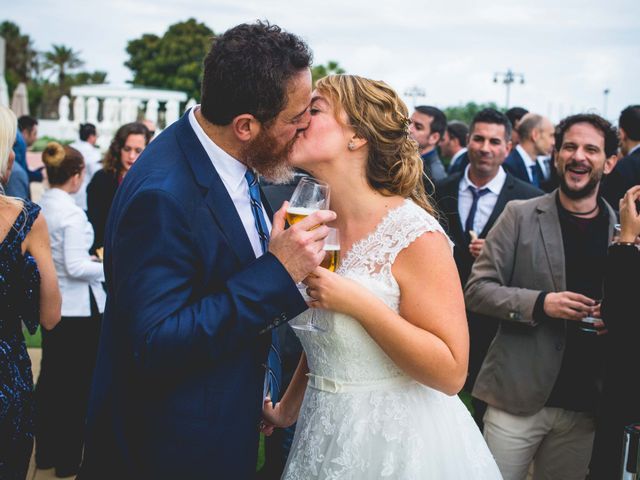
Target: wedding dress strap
{"x": 337, "y": 386}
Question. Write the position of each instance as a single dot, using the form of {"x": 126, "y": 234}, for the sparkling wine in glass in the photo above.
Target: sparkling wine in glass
{"x": 330, "y": 262}
{"x": 309, "y": 196}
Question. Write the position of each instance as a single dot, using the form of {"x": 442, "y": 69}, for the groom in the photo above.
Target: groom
{"x": 194, "y": 282}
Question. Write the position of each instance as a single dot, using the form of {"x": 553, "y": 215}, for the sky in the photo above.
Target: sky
{"x": 569, "y": 51}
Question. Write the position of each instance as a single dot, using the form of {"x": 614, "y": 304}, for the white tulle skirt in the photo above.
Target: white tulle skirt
{"x": 400, "y": 431}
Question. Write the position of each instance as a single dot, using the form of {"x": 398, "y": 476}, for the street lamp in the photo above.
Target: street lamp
{"x": 508, "y": 78}
{"x": 605, "y": 94}
{"x": 415, "y": 92}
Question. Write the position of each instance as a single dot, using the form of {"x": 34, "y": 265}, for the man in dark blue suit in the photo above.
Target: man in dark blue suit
{"x": 427, "y": 128}
{"x": 626, "y": 173}
{"x": 454, "y": 146}
{"x": 537, "y": 139}
{"x": 196, "y": 278}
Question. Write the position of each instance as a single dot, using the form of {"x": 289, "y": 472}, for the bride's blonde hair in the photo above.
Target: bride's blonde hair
{"x": 378, "y": 115}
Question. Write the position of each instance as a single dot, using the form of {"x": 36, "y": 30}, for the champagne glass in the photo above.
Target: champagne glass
{"x": 331, "y": 250}
{"x": 330, "y": 261}
{"x": 309, "y": 196}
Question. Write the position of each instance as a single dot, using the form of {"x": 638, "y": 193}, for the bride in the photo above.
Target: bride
{"x": 374, "y": 396}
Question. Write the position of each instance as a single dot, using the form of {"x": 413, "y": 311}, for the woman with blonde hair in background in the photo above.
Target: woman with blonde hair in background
{"x": 375, "y": 394}
{"x": 69, "y": 351}
{"x": 28, "y": 294}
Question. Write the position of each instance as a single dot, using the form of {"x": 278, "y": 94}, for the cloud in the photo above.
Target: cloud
{"x": 569, "y": 51}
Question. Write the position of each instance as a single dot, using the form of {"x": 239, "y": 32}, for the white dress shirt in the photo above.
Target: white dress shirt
{"x": 232, "y": 172}
{"x": 92, "y": 164}
{"x": 486, "y": 203}
{"x": 71, "y": 238}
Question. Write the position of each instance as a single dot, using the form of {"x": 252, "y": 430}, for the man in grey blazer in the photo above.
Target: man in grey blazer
{"x": 540, "y": 273}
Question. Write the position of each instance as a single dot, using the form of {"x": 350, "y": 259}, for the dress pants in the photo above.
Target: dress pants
{"x": 62, "y": 392}
{"x": 557, "y": 441}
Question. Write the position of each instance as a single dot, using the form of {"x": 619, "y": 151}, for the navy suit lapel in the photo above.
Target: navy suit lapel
{"x": 515, "y": 163}
{"x": 267, "y": 205}
{"x": 457, "y": 228}
{"x": 450, "y": 209}
{"x": 214, "y": 192}
{"x": 522, "y": 168}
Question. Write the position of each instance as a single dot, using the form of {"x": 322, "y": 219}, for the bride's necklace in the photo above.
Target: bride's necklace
{"x": 582, "y": 213}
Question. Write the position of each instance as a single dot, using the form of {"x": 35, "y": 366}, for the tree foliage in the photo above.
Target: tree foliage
{"x": 465, "y": 113}
{"x": 25, "y": 64}
{"x": 20, "y": 54}
{"x": 173, "y": 61}
{"x": 319, "y": 71}
{"x": 59, "y": 60}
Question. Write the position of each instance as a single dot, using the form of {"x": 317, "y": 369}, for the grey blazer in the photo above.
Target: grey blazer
{"x": 523, "y": 256}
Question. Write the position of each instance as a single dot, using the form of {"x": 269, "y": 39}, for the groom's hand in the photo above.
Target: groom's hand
{"x": 300, "y": 248}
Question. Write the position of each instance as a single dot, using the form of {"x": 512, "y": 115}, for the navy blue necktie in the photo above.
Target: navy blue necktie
{"x": 536, "y": 174}
{"x": 477, "y": 193}
{"x": 273, "y": 367}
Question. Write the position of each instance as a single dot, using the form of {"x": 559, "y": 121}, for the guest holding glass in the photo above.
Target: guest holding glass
{"x": 69, "y": 351}
{"x": 127, "y": 145}
{"x": 621, "y": 393}
{"x": 28, "y": 294}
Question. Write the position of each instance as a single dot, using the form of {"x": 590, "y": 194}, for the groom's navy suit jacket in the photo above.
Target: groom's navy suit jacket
{"x": 177, "y": 390}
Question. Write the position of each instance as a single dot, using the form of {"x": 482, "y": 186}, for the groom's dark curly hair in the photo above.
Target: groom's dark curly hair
{"x": 247, "y": 69}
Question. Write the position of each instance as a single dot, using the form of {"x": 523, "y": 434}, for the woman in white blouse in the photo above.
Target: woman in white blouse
{"x": 69, "y": 350}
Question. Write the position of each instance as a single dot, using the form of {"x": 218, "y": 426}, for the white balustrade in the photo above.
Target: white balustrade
{"x": 92, "y": 110}
{"x": 151, "y": 113}
{"x": 108, "y": 107}
{"x": 63, "y": 109}
{"x": 78, "y": 110}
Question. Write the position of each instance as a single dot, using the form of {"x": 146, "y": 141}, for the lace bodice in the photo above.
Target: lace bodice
{"x": 345, "y": 352}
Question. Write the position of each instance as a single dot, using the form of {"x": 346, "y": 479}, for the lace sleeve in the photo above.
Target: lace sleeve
{"x": 410, "y": 223}
{"x": 401, "y": 226}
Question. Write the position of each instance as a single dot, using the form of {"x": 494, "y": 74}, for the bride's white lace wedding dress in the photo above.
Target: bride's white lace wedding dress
{"x": 362, "y": 417}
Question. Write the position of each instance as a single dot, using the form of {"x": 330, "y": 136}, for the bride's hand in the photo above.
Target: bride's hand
{"x": 274, "y": 417}
{"x": 330, "y": 291}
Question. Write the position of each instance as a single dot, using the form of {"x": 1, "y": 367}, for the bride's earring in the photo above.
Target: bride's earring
{"x": 351, "y": 146}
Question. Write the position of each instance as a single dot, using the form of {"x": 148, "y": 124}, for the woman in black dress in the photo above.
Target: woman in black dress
{"x": 621, "y": 392}
{"x": 28, "y": 294}
{"x": 127, "y": 145}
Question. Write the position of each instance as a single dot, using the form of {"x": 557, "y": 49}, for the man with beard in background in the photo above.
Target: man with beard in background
{"x": 197, "y": 279}
{"x": 540, "y": 273}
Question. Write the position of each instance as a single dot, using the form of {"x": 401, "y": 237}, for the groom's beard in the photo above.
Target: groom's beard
{"x": 266, "y": 157}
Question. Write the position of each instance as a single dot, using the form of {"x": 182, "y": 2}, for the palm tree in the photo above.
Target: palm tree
{"x": 61, "y": 59}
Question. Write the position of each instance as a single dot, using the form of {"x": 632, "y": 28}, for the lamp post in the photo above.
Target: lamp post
{"x": 605, "y": 100}
{"x": 508, "y": 78}
{"x": 415, "y": 92}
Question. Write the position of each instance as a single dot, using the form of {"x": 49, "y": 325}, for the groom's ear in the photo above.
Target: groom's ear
{"x": 245, "y": 127}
